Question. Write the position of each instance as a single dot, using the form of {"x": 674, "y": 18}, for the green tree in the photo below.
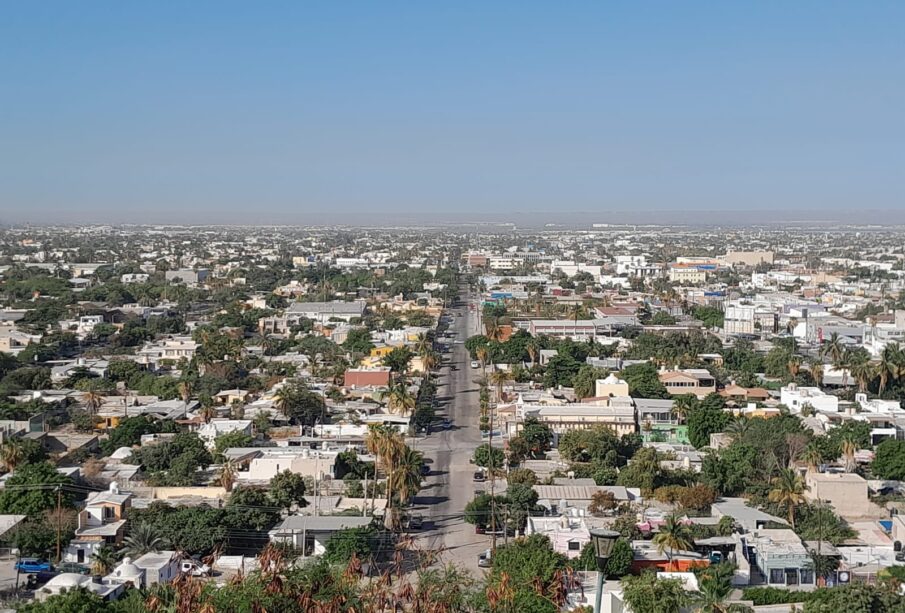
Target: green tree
{"x": 488, "y": 457}
{"x": 560, "y": 371}
{"x": 585, "y": 380}
{"x": 706, "y": 419}
{"x": 78, "y": 600}
{"x": 889, "y": 461}
{"x": 618, "y": 565}
{"x": 788, "y": 492}
{"x": 645, "y": 593}
{"x": 644, "y": 381}
{"x": 32, "y": 489}
{"x": 358, "y": 341}
{"x": 360, "y": 542}
{"x": 673, "y": 535}
{"x": 287, "y": 487}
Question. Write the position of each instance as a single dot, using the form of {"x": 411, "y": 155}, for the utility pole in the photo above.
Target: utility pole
{"x": 492, "y": 486}
{"x": 59, "y": 520}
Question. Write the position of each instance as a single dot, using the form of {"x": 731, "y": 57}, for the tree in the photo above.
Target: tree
{"x": 399, "y": 398}
{"x": 78, "y": 600}
{"x": 21, "y": 494}
{"x": 522, "y": 475}
{"x": 673, "y": 534}
{"x": 387, "y": 444}
{"x": 683, "y": 405}
{"x": 228, "y": 475}
{"x": 602, "y": 501}
{"x": 143, "y": 539}
{"x": 585, "y": 380}
{"x": 788, "y": 491}
{"x": 398, "y": 359}
{"x": 103, "y": 561}
{"x": 526, "y": 561}
{"x": 345, "y": 544}
{"x": 889, "y": 461}
{"x": 231, "y": 440}
{"x": 287, "y": 488}
{"x": 537, "y": 435}
{"x": 648, "y": 594}
{"x": 708, "y": 418}
{"x": 644, "y": 381}
{"x": 406, "y": 474}
{"x": 561, "y": 369}
{"x": 488, "y": 457}
{"x": 358, "y": 340}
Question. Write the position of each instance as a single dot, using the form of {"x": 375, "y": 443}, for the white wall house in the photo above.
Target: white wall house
{"x": 796, "y": 397}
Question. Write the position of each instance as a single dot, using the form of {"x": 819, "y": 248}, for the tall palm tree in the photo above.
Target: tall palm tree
{"x": 431, "y": 360}
{"x": 499, "y": 378}
{"x": 849, "y": 448}
{"x": 738, "y": 427}
{"x": 863, "y": 372}
{"x": 143, "y": 539}
{"x": 713, "y": 596}
{"x": 532, "y": 350}
{"x": 185, "y": 390}
{"x": 794, "y": 365}
{"x": 683, "y": 405}
{"x": 207, "y": 412}
{"x": 674, "y": 534}
{"x": 283, "y": 400}
{"x": 399, "y": 398}
{"x": 92, "y": 400}
{"x": 386, "y": 444}
{"x": 228, "y": 475}
{"x": 481, "y": 354}
{"x": 788, "y": 491}
{"x": 423, "y": 344}
{"x": 12, "y": 452}
{"x": 406, "y": 475}
{"x": 833, "y": 348}
{"x": 891, "y": 365}
{"x": 813, "y": 457}
{"x": 104, "y": 561}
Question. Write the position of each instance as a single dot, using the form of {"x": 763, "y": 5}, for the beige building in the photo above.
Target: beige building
{"x": 747, "y": 258}
{"x": 687, "y": 274}
{"x": 697, "y": 381}
{"x": 611, "y": 386}
{"x": 846, "y": 492}
{"x": 618, "y": 416}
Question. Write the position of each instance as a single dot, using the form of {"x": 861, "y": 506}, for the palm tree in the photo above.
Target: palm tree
{"x": 788, "y": 491}
{"x": 423, "y": 344}
{"x": 399, "y": 398}
{"x": 103, "y": 561}
{"x": 92, "y": 400}
{"x": 481, "y": 354}
{"x": 848, "y": 454}
{"x": 816, "y": 369}
{"x": 406, "y": 474}
{"x": 674, "y": 534}
{"x": 386, "y": 444}
{"x": 833, "y": 348}
{"x": 143, "y": 539}
{"x": 12, "y": 452}
{"x": 431, "y": 360}
{"x": 683, "y": 405}
{"x": 283, "y": 400}
{"x": 207, "y": 412}
{"x": 713, "y": 595}
{"x": 228, "y": 475}
{"x": 863, "y": 372}
{"x": 794, "y": 365}
{"x": 813, "y": 457}
{"x": 890, "y": 367}
{"x": 185, "y": 391}
{"x": 738, "y": 427}
{"x": 532, "y": 350}
{"x": 499, "y": 378}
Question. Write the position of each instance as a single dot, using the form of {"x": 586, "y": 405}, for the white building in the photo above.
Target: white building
{"x": 796, "y": 397}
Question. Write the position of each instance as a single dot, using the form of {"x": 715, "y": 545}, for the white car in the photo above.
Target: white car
{"x": 474, "y": 364}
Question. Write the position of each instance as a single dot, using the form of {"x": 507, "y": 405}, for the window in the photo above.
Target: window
{"x": 574, "y": 546}
{"x": 778, "y": 575}
{"x": 807, "y": 576}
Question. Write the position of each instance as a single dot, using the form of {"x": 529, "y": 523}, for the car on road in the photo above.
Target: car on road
{"x": 479, "y": 529}
{"x": 446, "y": 424}
{"x": 479, "y": 476}
{"x": 425, "y": 470}
{"x": 414, "y": 521}
{"x": 485, "y": 559}
{"x": 33, "y": 565}
{"x": 474, "y": 364}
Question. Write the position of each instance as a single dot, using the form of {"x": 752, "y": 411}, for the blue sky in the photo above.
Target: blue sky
{"x": 303, "y": 112}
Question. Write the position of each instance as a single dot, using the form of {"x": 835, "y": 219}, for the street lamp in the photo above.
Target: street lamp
{"x": 603, "y": 541}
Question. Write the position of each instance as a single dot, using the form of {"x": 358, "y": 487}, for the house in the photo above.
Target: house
{"x": 749, "y": 518}
{"x": 568, "y": 534}
{"x": 846, "y": 492}
{"x": 219, "y": 426}
{"x": 261, "y": 464}
{"x": 67, "y": 582}
{"x": 13, "y": 341}
{"x": 796, "y": 398}
{"x": 688, "y": 274}
{"x": 310, "y": 534}
{"x": 187, "y": 276}
{"x": 367, "y": 377}
{"x": 745, "y": 394}
{"x": 779, "y": 556}
{"x": 171, "y": 349}
{"x": 158, "y": 566}
{"x": 101, "y": 522}
{"x": 619, "y": 416}
{"x": 697, "y": 381}
{"x": 324, "y": 312}
{"x": 610, "y": 386}
{"x": 235, "y": 396}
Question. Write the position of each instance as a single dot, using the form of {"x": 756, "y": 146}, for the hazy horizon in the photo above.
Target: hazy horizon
{"x": 531, "y": 113}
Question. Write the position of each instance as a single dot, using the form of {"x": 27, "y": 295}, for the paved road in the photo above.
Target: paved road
{"x": 449, "y": 487}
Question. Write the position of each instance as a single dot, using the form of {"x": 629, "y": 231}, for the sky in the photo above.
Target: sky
{"x": 395, "y": 112}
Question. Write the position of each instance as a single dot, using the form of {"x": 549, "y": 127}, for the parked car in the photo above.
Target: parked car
{"x": 479, "y": 529}
{"x": 484, "y": 559}
{"x": 474, "y": 364}
{"x": 33, "y": 565}
{"x": 72, "y": 567}
{"x": 478, "y": 476}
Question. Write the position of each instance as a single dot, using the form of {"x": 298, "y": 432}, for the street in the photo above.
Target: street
{"x": 449, "y": 486}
